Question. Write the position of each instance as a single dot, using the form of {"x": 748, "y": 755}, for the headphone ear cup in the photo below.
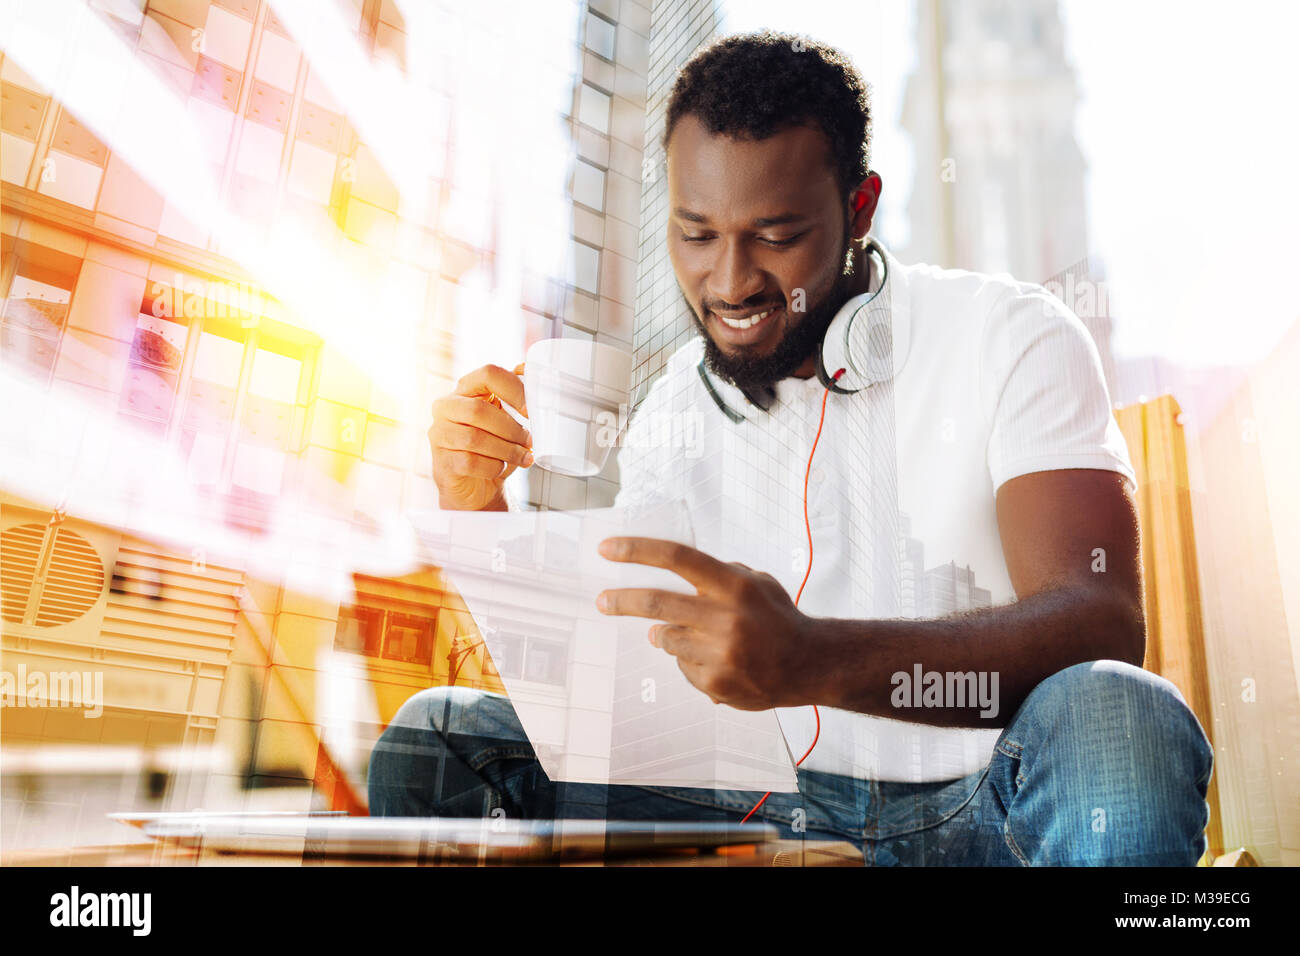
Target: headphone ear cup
{"x": 860, "y": 340}
{"x": 862, "y": 343}
{"x": 872, "y": 351}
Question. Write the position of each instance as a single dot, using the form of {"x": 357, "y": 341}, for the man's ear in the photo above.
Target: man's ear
{"x": 862, "y": 204}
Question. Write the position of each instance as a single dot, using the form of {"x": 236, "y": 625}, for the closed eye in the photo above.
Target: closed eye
{"x": 782, "y": 242}
{"x": 763, "y": 239}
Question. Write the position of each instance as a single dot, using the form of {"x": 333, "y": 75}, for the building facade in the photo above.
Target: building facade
{"x": 120, "y": 299}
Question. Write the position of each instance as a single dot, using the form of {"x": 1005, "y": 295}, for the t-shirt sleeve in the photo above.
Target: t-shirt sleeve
{"x": 1044, "y": 392}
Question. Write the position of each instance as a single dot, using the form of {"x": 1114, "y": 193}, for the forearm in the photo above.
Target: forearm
{"x": 872, "y": 667}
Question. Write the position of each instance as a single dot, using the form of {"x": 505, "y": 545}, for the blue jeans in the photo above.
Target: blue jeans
{"x": 1103, "y": 764}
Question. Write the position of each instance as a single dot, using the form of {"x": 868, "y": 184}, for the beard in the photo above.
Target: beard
{"x": 758, "y": 373}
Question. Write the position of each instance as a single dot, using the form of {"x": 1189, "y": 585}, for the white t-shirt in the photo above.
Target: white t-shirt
{"x": 993, "y": 379}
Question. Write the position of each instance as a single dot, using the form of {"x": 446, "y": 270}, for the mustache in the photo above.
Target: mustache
{"x": 724, "y": 307}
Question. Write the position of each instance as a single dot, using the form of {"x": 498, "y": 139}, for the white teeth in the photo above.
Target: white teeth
{"x": 745, "y": 322}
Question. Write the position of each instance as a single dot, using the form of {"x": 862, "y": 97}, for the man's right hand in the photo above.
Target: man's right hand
{"x": 476, "y": 444}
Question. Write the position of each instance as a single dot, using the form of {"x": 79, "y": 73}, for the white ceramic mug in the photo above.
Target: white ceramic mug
{"x": 575, "y": 391}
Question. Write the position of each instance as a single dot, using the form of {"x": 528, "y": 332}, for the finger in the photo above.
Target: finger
{"x": 705, "y": 572}
{"x": 456, "y": 437}
{"x": 467, "y": 464}
{"x": 651, "y": 603}
{"x": 494, "y": 380}
{"x": 480, "y": 414}
{"x": 681, "y": 642}
{"x": 519, "y": 369}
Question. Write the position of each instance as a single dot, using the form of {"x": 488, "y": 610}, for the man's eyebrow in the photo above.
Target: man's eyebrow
{"x": 763, "y": 223}
{"x": 780, "y": 220}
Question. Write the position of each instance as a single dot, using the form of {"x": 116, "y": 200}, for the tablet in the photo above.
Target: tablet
{"x": 446, "y": 839}
{"x": 138, "y": 818}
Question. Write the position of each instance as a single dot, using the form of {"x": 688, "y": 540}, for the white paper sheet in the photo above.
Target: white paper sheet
{"x": 600, "y": 704}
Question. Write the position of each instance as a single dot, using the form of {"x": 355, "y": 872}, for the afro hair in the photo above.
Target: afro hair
{"x": 752, "y": 86}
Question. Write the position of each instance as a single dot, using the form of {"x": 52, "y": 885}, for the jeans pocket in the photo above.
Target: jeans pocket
{"x": 1006, "y": 776}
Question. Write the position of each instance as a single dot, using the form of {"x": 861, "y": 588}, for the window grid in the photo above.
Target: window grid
{"x": 187, "y": 421}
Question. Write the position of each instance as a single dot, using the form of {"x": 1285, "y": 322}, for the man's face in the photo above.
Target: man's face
{"x": 759, "y": 234}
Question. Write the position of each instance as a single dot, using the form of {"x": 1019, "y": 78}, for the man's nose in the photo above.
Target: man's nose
{"x": 734, "y": 277}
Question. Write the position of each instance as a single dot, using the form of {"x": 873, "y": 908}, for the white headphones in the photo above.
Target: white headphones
{"x": 868, "y": 338}
{"x": 860, "y": 339}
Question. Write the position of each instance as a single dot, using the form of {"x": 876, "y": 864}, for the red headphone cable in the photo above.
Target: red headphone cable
{"x": 807, "y": 571}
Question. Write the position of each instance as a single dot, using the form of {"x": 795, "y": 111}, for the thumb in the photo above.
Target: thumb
{"x": 519, "y": 370}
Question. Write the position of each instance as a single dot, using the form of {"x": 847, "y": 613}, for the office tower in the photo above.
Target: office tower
{"x": 950, "y": 589}
{"x": 999, "y": 177}
{"x": 662, "y": 317}
{"x": 991, "y": 107}
{"x": 608, "y": 132}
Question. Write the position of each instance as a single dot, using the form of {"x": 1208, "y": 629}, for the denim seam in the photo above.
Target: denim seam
{"x": 485, "y": 757}
{"x": 890, "y": 834}
{"x": 1011, "y": 842}
{"x": 1020, "y": 780}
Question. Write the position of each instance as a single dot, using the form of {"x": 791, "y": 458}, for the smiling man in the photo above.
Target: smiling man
{"x": 929, "y": 567}
{"x": 780, "y": 248}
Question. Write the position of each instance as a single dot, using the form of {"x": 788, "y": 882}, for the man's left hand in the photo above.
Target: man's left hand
{"x": 739, "y": 638}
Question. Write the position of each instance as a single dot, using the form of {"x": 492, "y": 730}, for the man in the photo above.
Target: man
{"x": 1019, "y": 729}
